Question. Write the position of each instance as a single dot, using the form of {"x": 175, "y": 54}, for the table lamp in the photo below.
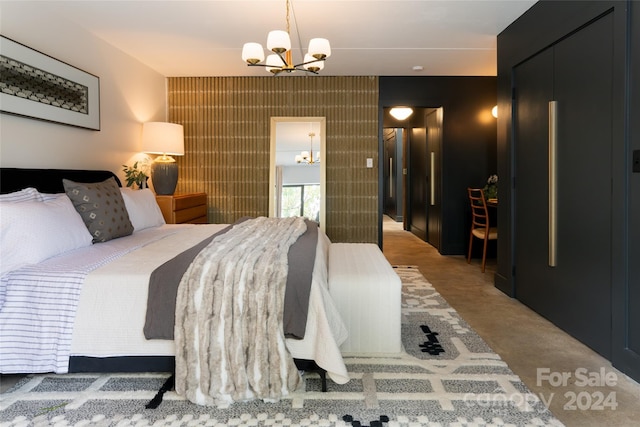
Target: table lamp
{"x": 166, "y": 139}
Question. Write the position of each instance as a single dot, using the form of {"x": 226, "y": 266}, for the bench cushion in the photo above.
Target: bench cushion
{"x": 368, "y": 295}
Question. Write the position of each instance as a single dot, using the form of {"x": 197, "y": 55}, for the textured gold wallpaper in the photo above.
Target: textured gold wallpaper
{"x": 226, "y": 123}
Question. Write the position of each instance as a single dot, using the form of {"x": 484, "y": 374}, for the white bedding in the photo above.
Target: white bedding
{"x": 39, "y": 302}
{"x": 101, "y": 329}
{"x": 112, "y": 303}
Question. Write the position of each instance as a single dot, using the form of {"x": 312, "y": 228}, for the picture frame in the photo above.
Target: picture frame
{"x": 36, "y": 85}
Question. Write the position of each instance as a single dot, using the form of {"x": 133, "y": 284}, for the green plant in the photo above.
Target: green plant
{"x": 491, "y": 189}
{"x": 133, "y": 175}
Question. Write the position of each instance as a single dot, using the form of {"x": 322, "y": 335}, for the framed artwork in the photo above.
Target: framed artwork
{"x": 38, "y": 86}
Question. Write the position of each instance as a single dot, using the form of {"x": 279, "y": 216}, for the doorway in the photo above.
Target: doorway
{"x": 393, "y": 177}
{"x": 412, "y": 171}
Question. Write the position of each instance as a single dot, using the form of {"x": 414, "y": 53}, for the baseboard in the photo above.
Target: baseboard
{"x": 504, "y": 284}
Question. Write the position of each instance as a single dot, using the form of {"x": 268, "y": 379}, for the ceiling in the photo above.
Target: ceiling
{"x": 383, "y": 38}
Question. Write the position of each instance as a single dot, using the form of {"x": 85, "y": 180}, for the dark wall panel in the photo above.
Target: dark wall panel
{"x": 626, "y": 318}
{"x": 469, "y": 140}
{"x": 634, "y": 185}
{"x": 546, "y": 23}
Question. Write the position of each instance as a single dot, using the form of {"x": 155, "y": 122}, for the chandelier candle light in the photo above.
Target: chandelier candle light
{"x": 279, "y": 42}
{"x": 307, "y": 156}
{"x": 166, "y": 139}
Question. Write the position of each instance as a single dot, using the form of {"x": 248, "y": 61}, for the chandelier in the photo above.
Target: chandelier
{"x": 279, "y": 42}
{"x": 307, "y": 156}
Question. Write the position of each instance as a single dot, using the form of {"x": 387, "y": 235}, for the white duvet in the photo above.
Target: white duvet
{"x": 112, "y": 306}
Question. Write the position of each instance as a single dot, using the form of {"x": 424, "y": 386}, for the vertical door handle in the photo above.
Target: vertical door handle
{"x": 390, "y": 176}
{"x": 553, "y": 183}
{"x": 433, "y": 181}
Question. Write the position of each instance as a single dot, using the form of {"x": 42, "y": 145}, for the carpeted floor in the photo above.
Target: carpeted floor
{"x": 448, "y": 376}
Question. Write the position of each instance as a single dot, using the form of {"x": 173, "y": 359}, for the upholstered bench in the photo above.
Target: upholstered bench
{"x": 367, "y": 293}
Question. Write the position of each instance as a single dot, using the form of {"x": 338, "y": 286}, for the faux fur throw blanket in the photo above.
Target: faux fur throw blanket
{"x": 229, "y": 339}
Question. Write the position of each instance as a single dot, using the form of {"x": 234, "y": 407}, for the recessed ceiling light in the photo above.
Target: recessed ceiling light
{"x": 418, "y": 68}
{"x": 401, "y": 113}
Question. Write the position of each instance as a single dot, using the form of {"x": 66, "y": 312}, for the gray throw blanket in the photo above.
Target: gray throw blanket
{"x": 230, "y": 344}
{"x": 164, "y": 282}
{"x": 163, "y": 288}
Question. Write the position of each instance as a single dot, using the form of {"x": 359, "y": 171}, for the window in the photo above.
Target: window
{"x": 301, "y": 200}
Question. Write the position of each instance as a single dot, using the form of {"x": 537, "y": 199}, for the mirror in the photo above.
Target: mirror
{"x": 297, "y": 168}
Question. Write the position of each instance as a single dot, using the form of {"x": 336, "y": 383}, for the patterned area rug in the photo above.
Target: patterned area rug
{"x": 447, "y": 377}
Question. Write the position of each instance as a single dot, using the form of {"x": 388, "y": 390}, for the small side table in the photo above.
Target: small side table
{"x": 184, "y": 208}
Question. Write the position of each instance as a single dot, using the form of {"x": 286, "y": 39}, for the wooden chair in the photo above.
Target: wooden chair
{"x": 480, "y": 223}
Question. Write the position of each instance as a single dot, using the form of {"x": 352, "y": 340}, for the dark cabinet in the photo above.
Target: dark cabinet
{"x": 585, "y": 55}
{"x": 572, "y": 288}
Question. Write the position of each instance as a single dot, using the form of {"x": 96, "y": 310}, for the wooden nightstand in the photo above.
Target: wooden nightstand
{"x": 184, "y": 208}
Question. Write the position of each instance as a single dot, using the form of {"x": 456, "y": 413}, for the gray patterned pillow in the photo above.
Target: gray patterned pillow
{"x": 101, "y": 207}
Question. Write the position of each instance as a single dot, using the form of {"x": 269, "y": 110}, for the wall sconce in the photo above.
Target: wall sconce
{"x": 401, "y": 113}
{"x": 166, "y": 139}
{"x": 494, "y": 111}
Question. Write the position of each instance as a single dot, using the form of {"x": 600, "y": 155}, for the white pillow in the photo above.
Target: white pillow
{"x": 33, "y": 231}
{"x": 26, "y": 195}
{"x": 43, "y": 197}
{"x": 143, "y": 209}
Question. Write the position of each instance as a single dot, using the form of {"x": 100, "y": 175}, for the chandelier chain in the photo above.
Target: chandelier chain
{"x": 295, "y": 21}
{"x": 288, "y": 28}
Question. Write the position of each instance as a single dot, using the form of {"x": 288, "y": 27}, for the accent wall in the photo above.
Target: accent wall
{"x": 227, "y": 144}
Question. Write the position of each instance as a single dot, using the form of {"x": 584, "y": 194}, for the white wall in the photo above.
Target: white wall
{"x": 301, "y": 174}
{"x": 130, "y": 94}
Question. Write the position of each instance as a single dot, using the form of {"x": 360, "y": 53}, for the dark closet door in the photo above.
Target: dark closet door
{"x": 434, "y": 149}
{"x": 575, "y": 293}
{"x": 534, "y": 90}
{"x": 392, "y": 172}
{"x": 419, "y": 181}
{"x": 390, "y": 201}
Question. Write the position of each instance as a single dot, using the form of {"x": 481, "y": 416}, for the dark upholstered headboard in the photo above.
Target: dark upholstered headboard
{"x": 48, "y": 180}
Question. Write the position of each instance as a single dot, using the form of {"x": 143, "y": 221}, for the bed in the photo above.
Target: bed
{"x": 104, "y": 329}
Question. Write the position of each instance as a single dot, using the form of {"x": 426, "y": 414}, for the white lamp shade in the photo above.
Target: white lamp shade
{"x": 252, "y": 53}
{"x": 275, "y": 62}
{"x": 401, "y": 113}
{"x": 311, "y": 64}
{"x": 319, "y": 48}
{"x": 278, "y": 41}
{"x": 163, "y": 138}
